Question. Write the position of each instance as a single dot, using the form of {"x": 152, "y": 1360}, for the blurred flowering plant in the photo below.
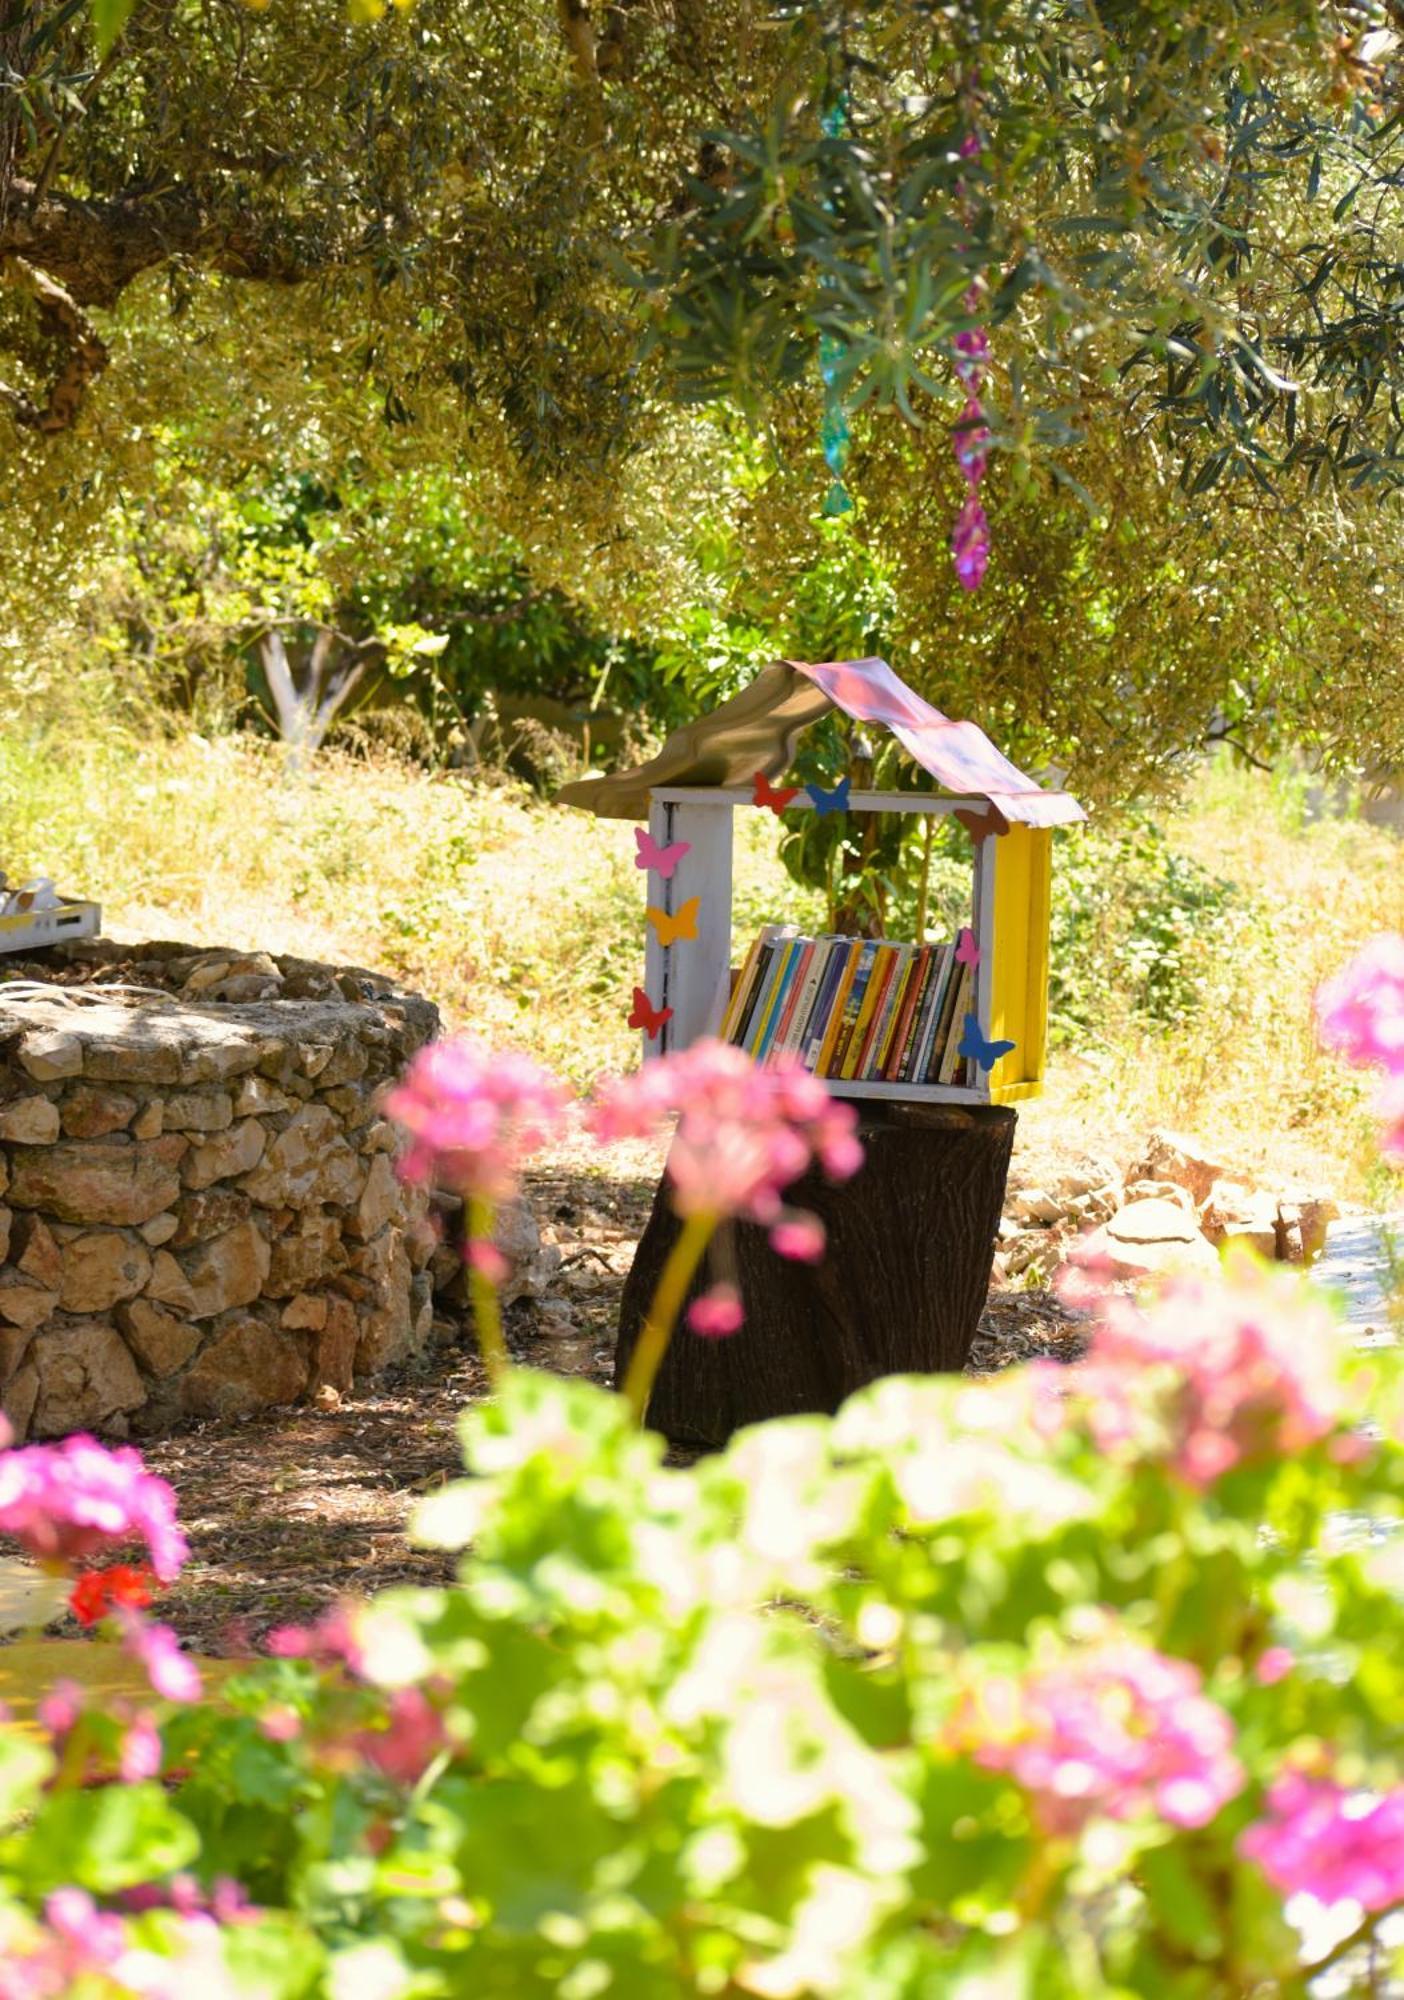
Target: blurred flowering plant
{"x": 1361, "y": 1012}
{"x": 1077, "y": 1682}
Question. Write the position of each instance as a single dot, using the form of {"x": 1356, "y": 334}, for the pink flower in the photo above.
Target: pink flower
{"x": 1213, "y": 1373}
{"x": 330, "y": 1642}
{"x": 1273, "y": 1666}
{"x": 474, "y": 1115}
{"x": 799, "y": 1236}
{"x": 743, "y": 1134}
{"x": 141, "y": 1751}
{"x": 1119, "y": 1732}
{"x": 411, "y": 1740}
{"x": 280, "y": 1725}
{"x": 171, "y": 1672}
{"x": 1329, "y": 1842}
{"x": 79, "y": 1943}
{"x": 487, "y": 1260}
{"x": 1361, "y": 1010}
{"x": 60, "y": 1708}
{"x": 717, "y": 1313}
{"x": 62, "y": 1502}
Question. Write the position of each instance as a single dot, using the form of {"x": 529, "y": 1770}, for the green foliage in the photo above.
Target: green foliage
{"x": 709, "y": 1729}
{"x": 1134, "y": 918}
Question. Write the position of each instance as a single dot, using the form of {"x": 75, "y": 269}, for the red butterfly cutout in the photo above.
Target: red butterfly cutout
{"x": 777, "y": 797}
{"x": 662, "y": 860}
{"x": 646, "y": 1016}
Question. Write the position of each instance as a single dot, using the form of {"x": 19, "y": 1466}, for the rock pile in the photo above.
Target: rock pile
{"x": 1172, "y": 1208}
{"x": 198, "y": 1210}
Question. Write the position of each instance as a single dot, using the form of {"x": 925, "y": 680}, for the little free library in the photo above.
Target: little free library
{"x": 936, "y": 1037}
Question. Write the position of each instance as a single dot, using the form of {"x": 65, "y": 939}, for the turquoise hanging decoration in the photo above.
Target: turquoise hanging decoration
{"x": 834, "y": 435}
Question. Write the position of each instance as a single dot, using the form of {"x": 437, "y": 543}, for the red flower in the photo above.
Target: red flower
{"x": 99, "y": 1591}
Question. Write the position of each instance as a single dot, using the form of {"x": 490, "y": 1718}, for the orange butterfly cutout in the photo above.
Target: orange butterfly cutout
{"x": 646, "y": 1016}
{"x": 681, "y": 924}
{"x": 777, "y": 797}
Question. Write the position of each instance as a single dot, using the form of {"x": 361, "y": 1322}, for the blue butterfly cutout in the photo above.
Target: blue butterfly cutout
{"x": 975, "y": 1048}
{"x": 835, "y": 801}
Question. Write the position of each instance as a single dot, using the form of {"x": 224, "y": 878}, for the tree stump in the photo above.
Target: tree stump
{"x": 911, "y": 1242}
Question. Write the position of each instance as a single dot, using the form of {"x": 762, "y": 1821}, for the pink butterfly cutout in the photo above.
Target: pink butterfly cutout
{"x": 967, "y": 951}
{"x": 662, "y": 860}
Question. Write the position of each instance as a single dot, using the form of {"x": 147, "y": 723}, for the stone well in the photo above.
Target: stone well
{"x": 199, "y": 1215}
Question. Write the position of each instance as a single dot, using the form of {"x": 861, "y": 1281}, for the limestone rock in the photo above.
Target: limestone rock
{"x": 1171, "y": 1156}
{"x": 208, "y": 1213}
{"x": 93, "y": 1181}
{"x": 229, "y": 1270}
{"x": 246, "y": 1365}
{"x": 100, "y": 1268}
{"x": 1033, "y": 1205}
{"x": 306, "y": 1313}
{"x": 150, "y": 1121}
{"x": 133, "y": 1054}
{"x": 1147, "y": 1238}
{"x": 169, "y": 1286}
{"x": 14, "y": 1345}
{"x": 308, "y": 1162}
{"x": 29, "y": 1121}
{"x": 47, "y": 1054}
{"x": 160, "y": 1229}
{"x": 86, "y": 1377}
{"x": 21, "y": 1394}
{"x": 34, "y": 1251}
{"x": 161, "y": 1341}
{"x": 531, "y": 1264}
{"x": 230, "y": 1153}
{"x": 305, "y": 1255}
{"x": 257, "y": 1097}
{"x": 90, "y": 1112}
{"x": 379, "y": 1137}
{"x": 1238, "y": 1214}
{"x": 387, "y": 1332}
{"x": 7, "y": 1216}
{"x": 334, "y": 1352}
{"x": 380, "y": 1200}
{"x": 198, "y": 1111}
{"x": 24, "y": 1304}
{"x": 1149, "y": 1190}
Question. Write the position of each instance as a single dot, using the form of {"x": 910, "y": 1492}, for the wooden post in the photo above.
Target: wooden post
{"x": 900, "y": 1290}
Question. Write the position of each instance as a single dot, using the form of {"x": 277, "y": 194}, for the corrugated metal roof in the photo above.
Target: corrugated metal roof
{"x": 757, "y": 731}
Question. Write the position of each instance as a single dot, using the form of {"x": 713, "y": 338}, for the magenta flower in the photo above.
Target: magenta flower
{"x": 717, "y": 1313}
{"x": 171, "y": 1672}
{"x": 473, "y": 1116}
{"x": 1120, "y": 1732}
{"x": 63, "y": 1502}
{"x": 1212, "y": 1374}
{"x": 743, "y": 1133}
{"x": 1361, "y": 1010}
{"x": 141, "y": 1751}
{"x": 1336, "y": 1844}
{"x": 412, "y": 1738}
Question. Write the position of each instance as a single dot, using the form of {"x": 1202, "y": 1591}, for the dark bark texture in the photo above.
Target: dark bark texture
{"x": 900, "y": 1289}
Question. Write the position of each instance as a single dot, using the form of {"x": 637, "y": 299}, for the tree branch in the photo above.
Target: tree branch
{"x": 63, "y": 320}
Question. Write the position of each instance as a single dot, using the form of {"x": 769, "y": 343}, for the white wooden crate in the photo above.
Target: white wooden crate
{"x": 32, "y": 930}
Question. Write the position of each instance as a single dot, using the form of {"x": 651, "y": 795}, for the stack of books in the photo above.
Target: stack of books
{"x": 860, "y": 1010}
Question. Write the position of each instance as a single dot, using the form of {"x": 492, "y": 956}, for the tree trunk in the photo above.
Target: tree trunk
{"x": 900, "y": 1289}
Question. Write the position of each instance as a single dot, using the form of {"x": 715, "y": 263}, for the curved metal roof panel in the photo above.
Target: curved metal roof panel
{"x": 757, "y": 730}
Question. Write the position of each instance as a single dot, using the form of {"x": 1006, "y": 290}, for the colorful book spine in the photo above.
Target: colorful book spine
{"x": 740, "y": 992}
{"x": 952, "y": 1061}
{"x": 935, "y": 1008}
{"x": 824, "y": 1005}
{"x": 906, "y": 1062}
{"x": 906, "y": 1014}
{"x": 942, "y": 1036}
{"x": 853, "y": 1012}
{"x": 785, "y": 967}
{"x": 765, "y": 988}
{"x": 884, "y": 966}
{"x": 874, "y": 1068}
{"x": 825, "y": 1064}
{"x": 784, "y": 1012}
{"x": 797, "y": 1028}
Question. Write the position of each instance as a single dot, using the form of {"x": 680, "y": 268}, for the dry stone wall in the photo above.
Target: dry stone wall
{"x": 199, "y": 1214}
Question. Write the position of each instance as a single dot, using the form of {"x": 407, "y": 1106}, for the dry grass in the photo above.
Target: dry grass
{"x": 524, "y": 921}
